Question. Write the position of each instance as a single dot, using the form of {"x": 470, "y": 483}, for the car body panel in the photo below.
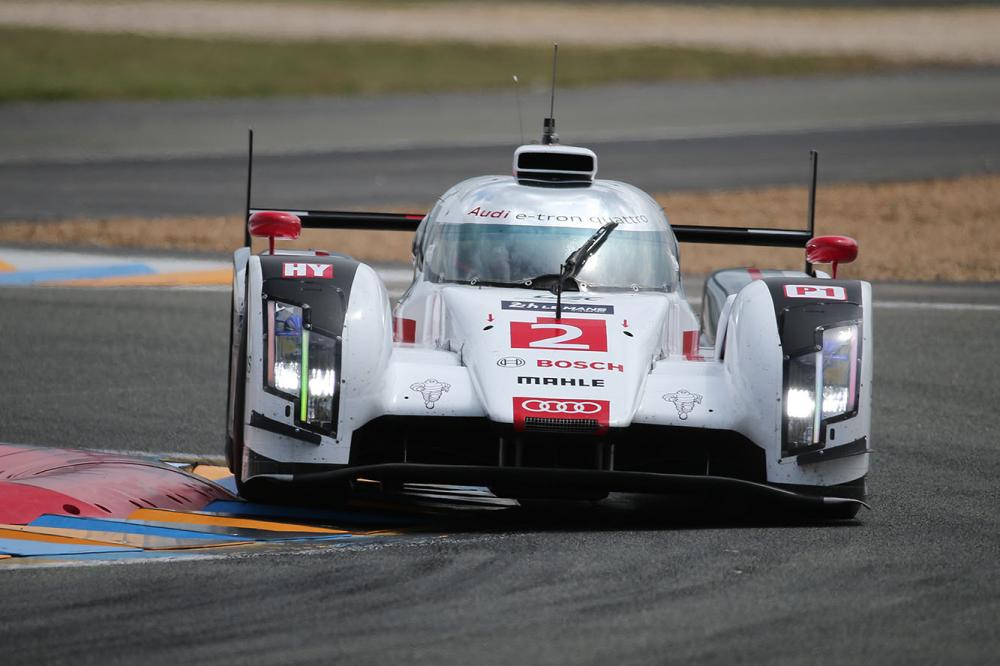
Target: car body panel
{"x": 616, "y": 362}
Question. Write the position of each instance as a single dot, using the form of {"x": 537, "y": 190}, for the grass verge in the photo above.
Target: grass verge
{"x": 942, "y": 230}
{"x": 49, "y": 65}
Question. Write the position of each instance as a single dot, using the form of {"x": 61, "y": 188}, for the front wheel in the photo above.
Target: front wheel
{"x": 269, "y": 491}
{"x": 234, "y": 444}
{"x": 843, "y": 511}
{"x": 530, "y": 493}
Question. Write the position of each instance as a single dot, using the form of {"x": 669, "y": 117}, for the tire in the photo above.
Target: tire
{"x": 230, "y": 444}
{"x": 267, "y": 491}
{"x": 234, "y": 449}
{"x": 854, "y": 490}
{"x": 844, "y": 511}
{"x": 810, "y": 514}
{"x": 529, "y": 493}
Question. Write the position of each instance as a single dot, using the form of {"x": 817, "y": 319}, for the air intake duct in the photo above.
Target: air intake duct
{"x": 555, "y": 166}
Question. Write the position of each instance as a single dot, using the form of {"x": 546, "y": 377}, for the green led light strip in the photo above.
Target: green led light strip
{"x": 304, "y": 393}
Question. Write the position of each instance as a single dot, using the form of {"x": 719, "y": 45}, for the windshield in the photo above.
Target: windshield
{"x": 511, "y": 254}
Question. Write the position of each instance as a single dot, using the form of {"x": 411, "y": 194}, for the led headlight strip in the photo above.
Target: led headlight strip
{"x": 821, "y": 385}
{"x": 304, "y": 377}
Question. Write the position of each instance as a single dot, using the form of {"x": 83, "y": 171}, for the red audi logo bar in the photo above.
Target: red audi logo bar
{"x": 561, "y": 406}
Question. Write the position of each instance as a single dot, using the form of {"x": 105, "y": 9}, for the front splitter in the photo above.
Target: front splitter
{"x": 573, "y": 479}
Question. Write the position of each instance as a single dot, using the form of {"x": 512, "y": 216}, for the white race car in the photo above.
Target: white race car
{"x": 545, "y": 348}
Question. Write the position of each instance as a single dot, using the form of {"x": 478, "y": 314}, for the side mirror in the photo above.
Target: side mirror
{"x": 831, "y": 250}
{"x": 273, "y": 224}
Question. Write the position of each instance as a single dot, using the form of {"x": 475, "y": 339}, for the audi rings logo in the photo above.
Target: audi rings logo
{"x": 561, "y": 407}
{"x": 532, "y": 412}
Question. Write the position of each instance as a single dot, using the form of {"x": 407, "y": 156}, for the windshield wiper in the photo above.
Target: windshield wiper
{"x": 575, "y": 261}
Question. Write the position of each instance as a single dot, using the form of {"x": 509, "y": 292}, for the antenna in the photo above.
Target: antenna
{"x": 520, "y": 118}
{"x": 811, "y": 214}
{"x": 549, "y": 136}
{"x": 246, "y": 217}
{"x": 555, "y": 61}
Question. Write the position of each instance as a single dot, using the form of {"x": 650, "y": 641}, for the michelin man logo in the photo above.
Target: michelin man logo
{"x": 430, "y": 390}
{"x": 684, "y": 401}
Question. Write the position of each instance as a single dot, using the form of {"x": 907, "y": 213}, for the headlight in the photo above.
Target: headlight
{"x": 302, "y": 365}
{"x": 830, "y": 371}
{"x": 800, "y": 402}
{"x": 840, "y": 370}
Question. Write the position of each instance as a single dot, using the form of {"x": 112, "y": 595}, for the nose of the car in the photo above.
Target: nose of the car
{"x": 531, "y": 367}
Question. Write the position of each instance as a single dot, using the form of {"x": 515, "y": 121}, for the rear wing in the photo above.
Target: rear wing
{"x": 318, "y": 219}
{"x": 326, "y": 219}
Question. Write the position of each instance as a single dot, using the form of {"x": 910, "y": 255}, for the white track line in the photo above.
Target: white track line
{"x": 173, "y": 456}
{"x": 924, "y": 305}
{"x": 395, "y": 274}
{"x": 912, "y": 305}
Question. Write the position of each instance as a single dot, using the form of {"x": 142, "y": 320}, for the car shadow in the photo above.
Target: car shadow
{"x": 626, "y": 511}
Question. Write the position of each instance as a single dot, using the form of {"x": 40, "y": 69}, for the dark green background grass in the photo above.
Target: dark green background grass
{"x": 49, "y": 65}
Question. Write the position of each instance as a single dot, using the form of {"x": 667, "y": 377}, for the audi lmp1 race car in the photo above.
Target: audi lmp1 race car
{"x": 545, "y": 349}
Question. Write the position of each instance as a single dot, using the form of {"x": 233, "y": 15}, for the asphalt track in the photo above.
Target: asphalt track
{"x": 635, "y": 581}
{"x": 632, "y": 580}
{"x": 416, "y": 176}
{"x": 88, "y": 131}
{"x": 104, "y": 159}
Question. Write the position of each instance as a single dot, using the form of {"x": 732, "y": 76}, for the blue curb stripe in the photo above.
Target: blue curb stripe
{"x": 28, "y": 548}
{"x": 127, "y": 527}
{"x": 293, "y": 513}
{"x": 229, "y": 483}
{"x": 81, "y": 273}
{"x": 138, "y": 555}
{"x": 211, "y": 533}
{"x": 252, "y": 533}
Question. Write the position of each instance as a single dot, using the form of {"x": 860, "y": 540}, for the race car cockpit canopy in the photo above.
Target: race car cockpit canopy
{"x": 509, "y": 231}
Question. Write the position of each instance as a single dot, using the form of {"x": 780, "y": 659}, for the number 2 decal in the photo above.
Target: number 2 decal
{"x": 562, "y": 335}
